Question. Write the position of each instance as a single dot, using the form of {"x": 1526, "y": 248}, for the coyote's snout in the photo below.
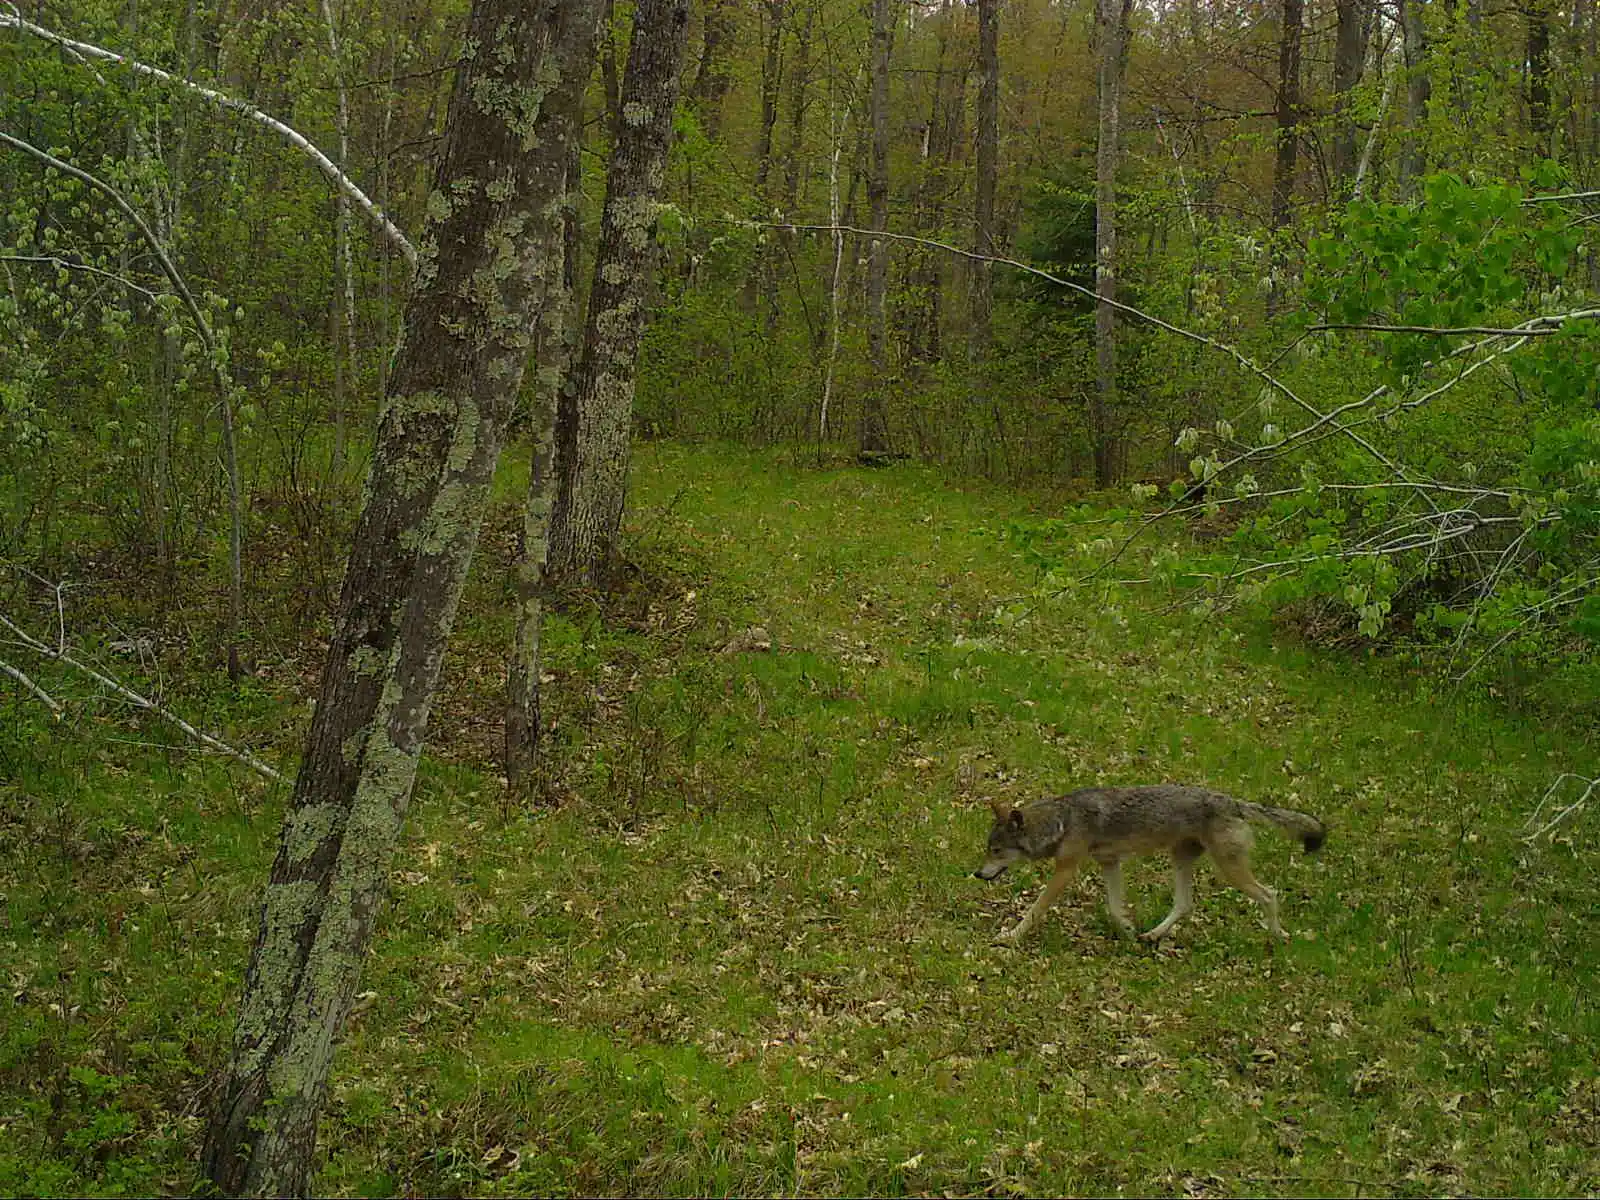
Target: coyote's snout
{"x": 1110, "y": 824}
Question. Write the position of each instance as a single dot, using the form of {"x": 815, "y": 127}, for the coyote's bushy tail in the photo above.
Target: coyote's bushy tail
{"x": 1311, "y": 832}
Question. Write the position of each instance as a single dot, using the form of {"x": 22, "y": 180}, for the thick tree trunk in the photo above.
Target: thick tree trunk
{"x": 490, "y": 254}
{"x": 592, "y": 489}
{"x": 988, "y": 154}
{"x": 1111, "y": 28}
{"x": 872, "y": 441}
{"x": 1349, "y": 53}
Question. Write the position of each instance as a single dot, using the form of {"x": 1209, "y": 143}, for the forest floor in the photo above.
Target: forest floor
{"x": 737, "y": 946}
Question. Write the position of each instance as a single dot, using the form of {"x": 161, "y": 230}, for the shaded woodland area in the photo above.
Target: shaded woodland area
{"x": 685, "y": 435}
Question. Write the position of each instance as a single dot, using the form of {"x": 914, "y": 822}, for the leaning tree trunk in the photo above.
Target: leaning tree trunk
{"x": 592, "y": 484}
{"x": 1111, "y": 27}
{"x": 491, "y": 251}
{"x": 873, "y": 437}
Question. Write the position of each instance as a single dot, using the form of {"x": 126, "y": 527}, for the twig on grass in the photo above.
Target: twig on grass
{"x": 28, "y": 684}
{"x": 1590, "y": 787}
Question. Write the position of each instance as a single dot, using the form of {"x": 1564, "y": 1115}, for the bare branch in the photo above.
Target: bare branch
{"x": 138, "y": 701}
{"x": 66, "y": 264}
{"x": 29, "y": 685}
{"x": 338, "y": 178}
{"x": 1590, "y": 787}
{"x": 1433, "y": 330}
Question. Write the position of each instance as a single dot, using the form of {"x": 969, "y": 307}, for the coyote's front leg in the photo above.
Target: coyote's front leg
{"x": 1065, "y": 870}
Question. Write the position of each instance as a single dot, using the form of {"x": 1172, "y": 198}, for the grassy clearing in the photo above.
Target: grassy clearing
{"x": 745, "y": 952}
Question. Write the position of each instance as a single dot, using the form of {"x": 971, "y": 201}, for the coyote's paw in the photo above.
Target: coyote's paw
{"x": 1010, "y": 937}
{"x": 1152, "y": 935}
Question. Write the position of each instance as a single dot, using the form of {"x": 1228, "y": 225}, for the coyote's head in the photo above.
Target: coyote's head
{"x": 1007, "y": 837}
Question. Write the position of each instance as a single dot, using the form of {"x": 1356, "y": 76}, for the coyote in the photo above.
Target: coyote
{"x": 1109, "y": 824}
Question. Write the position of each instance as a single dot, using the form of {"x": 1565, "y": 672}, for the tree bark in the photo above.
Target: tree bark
{"x": 873, "y": 433}
{"x": 587, "y": 516}
{"x": 1349, "y": 54}
{"x": 1111, "y": 28}
{"x": 490, "y": 254}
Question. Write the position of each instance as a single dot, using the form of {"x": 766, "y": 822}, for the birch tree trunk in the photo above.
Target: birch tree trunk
{"x": 873, "y": 437}
{"x": 489, "y": 256}
{"x": 586, "y": 518}
{"x": 1111, "y": 27}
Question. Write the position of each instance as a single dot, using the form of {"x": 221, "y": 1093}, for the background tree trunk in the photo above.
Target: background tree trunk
{"x": 1419, "y": 89}
{"x": 1538, "y": 15}
{"x": 988, "y": 155}
{"x": 490, "y": 254}
{"x": 1288, "y": 147}
{"x": 1111, "y": 28}
{"x": 587, "y": 516}
{"x": 1349, "y": 53}
{"x": 873, "y": 435}
{"x": 711, "y": 78}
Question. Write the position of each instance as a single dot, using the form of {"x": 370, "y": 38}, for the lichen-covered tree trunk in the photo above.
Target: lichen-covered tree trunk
{"x": 592, "y": 483}
{"x": 554, "y": 351}
{"x": 490, "y": 253}
{"x": 873, "y": 432}
{"x": 1111, "y": 30}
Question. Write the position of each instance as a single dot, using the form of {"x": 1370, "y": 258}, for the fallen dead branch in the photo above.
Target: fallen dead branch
{"x": 144, "y": 703}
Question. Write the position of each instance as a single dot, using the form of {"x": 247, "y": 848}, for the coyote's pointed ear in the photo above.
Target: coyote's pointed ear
{"x": 999, "y": 807}
{"x": 1015, "y": 819}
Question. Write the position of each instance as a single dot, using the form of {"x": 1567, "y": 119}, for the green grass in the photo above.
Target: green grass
{"x": 745, "y": 953}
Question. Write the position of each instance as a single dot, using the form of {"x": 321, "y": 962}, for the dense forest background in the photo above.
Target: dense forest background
{"x": 1278, "y": 170}
{"x": 858, "y": 365}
